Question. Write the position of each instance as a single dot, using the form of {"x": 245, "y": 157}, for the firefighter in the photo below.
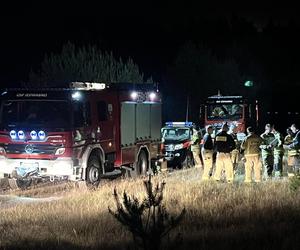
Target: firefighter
{"x": 278, "y": 153}
{"x": 195, "y": 147}
{"x": 220, "y": 111}
{"x": 292, "y": 154}
{"x": 267, "y": 150}
{"x": 235, "y": 153}
{"x": 224, "y": 144}
{"x": 251, "y": 146}
{"x": 296, "y": 146}
{"x": 207, "y": 152}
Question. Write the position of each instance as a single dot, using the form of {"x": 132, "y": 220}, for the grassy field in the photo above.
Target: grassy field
{"x": 218, "y": 216}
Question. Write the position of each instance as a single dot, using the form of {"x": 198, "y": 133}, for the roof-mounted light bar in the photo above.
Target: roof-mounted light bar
{"x": 225, "y": 97}
{"x": 179, "y": 124}
{"x": 87, "y": 86}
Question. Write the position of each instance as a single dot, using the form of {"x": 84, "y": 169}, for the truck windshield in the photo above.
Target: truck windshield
{"x": 175, "y": 133}
{"x": 224, "y": 111}
{"x": 33, "y": 113}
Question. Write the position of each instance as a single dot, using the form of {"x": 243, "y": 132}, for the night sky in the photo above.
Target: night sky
{"x": 149, "y": 33}
{"x": 152, "y": 35}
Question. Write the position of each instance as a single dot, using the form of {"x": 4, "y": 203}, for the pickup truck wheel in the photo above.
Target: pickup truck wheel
{"x": 93, "y": 171}
{"x": 142, "y": 164}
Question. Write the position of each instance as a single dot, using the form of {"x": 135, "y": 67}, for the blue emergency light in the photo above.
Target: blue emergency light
{"x": 42, "y": 135}
{"x": 13, "y": 134}
{"x": 20, "y": 135}
{"x": 33, "y": 135}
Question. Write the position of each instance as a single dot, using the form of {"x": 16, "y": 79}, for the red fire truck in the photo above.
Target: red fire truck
{"x": 234, "y": 110}
{"x": 86, "y": 132}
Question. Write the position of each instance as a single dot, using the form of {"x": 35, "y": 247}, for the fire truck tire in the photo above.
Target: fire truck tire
{"x": 142, "y": 164}
{"x": 93, "y": 171}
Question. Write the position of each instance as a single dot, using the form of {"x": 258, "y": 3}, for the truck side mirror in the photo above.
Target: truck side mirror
{"x": 77, "y": 135}
{"x": 98, "y": 132}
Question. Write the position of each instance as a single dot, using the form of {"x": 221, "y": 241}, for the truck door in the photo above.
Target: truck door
{"x": 105, "y": 128}
{"x": 82, "y": 120}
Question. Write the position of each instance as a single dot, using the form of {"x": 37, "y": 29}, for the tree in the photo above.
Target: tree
{"x": 199, "y": 70}
{"x": 87, "y": 64}
{"x": 198, "y": 73}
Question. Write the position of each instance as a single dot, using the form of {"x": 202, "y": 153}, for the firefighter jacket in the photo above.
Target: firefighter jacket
{"x": 207, "y": 142}
{"x": 278, "y": 143}
{"x": 268, "y": 143}
{"x": 296, "y": 141}
{"x": 237, "y": 142}
{"x": 224, "y": 143}
{"x": 288, "y": 140}
{"x": 251, "y": 145}
{"x": 195, "y": 141}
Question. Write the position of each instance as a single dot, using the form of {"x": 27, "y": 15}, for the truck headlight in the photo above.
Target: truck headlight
{"x": 171, "y": 147}
{"x": 2, "y": 151}
{"x": 60, "y": 151}
{"x": 178, "y": 146}
{"x": 240, "y": 136}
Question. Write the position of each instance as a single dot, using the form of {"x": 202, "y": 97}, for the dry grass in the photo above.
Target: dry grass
{"x": 219, "y": 216}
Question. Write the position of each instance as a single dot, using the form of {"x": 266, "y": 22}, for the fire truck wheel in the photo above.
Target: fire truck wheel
{"x": 93, "y": 171}
{"x": 19, "y": 183}
{"x": 142, "y": 164}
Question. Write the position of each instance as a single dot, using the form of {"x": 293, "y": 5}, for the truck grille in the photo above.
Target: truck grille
{"x": 35, "y": 149}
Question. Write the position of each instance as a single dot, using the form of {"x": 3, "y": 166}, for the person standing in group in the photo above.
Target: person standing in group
{"x": 278, "y": 153}
{"x": 267, "y": 150}
{"x": 296, "y": 146}
{"x": 207, "y": 152}
{"x": 195, "y": 147}
{"x": 235, "y": 153}
{"x": 224, "y": 144}
{"x": 251, "y": 146}
{"x": 292, "y": 154}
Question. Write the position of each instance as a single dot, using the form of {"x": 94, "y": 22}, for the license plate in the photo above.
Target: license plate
{"x": 27, "y": 168}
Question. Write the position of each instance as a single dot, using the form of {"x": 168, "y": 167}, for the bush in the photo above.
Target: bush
{"x": 148, "y": 221}
{"x": 294, "y": 183}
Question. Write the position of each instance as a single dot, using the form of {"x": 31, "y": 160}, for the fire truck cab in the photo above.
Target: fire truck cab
{"x": 235, "y": 110}
{"x": 85, "y": 132}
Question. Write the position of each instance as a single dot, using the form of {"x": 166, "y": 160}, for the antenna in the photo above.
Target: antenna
{"x": 187, "y": 108}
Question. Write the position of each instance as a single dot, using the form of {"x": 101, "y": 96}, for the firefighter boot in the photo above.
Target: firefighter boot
{"x": 290, "y": 171}
{"x": 277, "y": 175}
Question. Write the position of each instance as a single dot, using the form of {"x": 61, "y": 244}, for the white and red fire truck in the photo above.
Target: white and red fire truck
{"x": 85, "y": 132}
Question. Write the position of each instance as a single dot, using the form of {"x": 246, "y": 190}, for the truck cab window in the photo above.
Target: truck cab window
{"x": 54, "y": 113}
{"x": 82, "y": 114}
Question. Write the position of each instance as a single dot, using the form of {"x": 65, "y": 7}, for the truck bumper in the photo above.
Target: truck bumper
{"x": 61, "y": 167}
{"x": 176, "y": 156}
